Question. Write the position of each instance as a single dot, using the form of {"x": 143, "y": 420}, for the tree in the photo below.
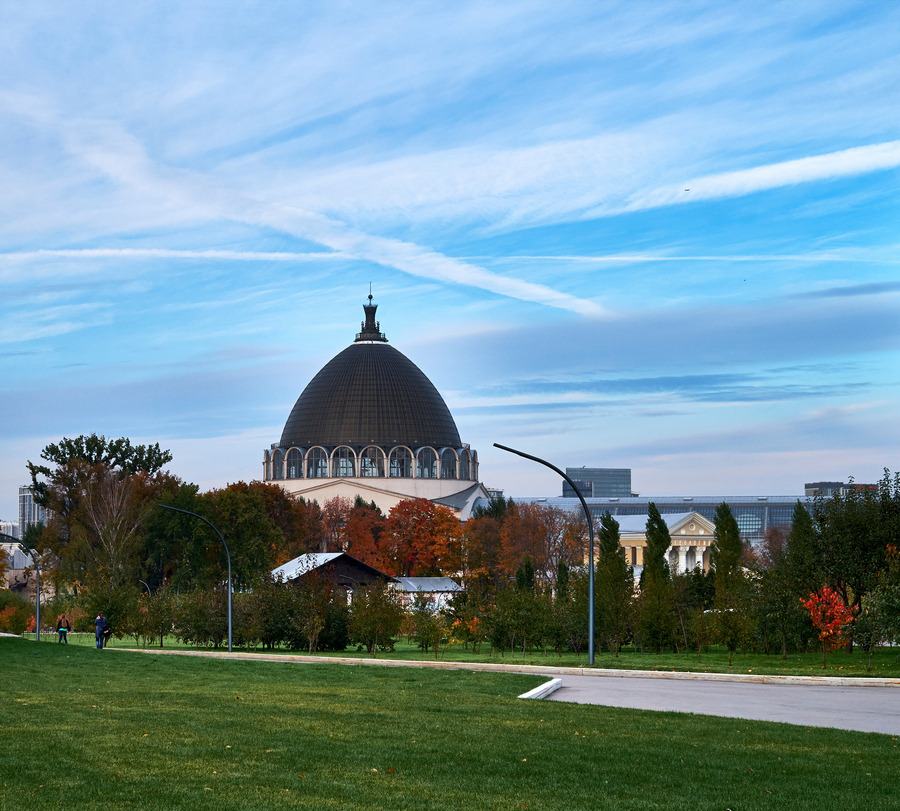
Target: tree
{"x": 334, "y": 520}
{"x": 658, "y": 542}
{"x": 240, "y": 515}
{"x": 314, "y": 597}
{"x": 853, "y": 531}
{"x": 830, "y": 617}
{"x": 421, "y": 538}
{"x": 363, "y": 534}
{"x": 615, "y": 585}
{"x": 727, "y": 546}
{"x": 804, "y": 563}
{"x": 376, "y": 616}
{"x": 118, "y": 454}
{"x": 428, "y": 626}
{"x": 656, "y": 602}
{"x": 779, "y": 613}
{"x": 481, "y": 548}
{"x": 97, "y": 493}
{"x": 115, "y": 509}
{"x": 545, "y": 534}
{"x": 732, "y": 611}
{"x": 295, "y": 517}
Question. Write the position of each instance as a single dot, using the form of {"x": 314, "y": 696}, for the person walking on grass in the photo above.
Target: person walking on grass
{"x": 100, "y": 625}
{"x": 63, "y": 626}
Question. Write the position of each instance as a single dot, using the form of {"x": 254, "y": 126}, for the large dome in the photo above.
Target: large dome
{"x": 370, "y": 394}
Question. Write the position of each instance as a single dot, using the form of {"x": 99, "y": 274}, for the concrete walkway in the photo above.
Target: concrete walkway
{"x": 865, "y": 705}
{"x": 810, "y": 704}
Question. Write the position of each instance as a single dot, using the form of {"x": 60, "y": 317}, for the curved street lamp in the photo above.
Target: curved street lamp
{"x": 178, "y": 582}
{"x": 590, "y": 523}
{"x": 146, "y": 587}
{"x": 227, "y": 553}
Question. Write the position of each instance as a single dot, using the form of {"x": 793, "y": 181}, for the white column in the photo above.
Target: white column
{"x": 682, "y": 558}
{"x": 698, "y": 553}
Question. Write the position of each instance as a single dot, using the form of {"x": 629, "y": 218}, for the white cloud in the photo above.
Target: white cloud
{"x": 844, "y": 163}
{"x": 49, "y": 321}
{"x": 121, "y": 157}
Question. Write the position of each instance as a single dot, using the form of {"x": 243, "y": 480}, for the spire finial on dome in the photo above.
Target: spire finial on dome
{"x": 371, "y": 329}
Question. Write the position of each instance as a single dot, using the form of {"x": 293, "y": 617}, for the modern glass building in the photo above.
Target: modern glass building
{"x": 598, "y": 482}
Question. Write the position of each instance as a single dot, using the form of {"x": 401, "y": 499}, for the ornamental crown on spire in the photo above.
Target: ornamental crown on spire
{"x": 370, "y": 328}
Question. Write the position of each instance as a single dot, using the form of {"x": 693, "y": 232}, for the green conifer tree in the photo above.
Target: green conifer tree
{"x": 615, "y": 585}
{"x": 733, "y": 617}
{"x": 656, "y": 617}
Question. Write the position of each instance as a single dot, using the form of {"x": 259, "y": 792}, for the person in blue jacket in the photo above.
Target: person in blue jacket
{"x": 100, "y": 625}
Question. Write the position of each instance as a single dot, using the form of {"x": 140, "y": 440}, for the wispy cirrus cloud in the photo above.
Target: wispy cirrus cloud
{"x": 44, "y": 322}
{"x": 121, "y": 157}
{"x": 831, "y": 166}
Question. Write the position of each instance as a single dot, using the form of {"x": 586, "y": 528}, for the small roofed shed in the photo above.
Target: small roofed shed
{"x": 438, "y": 590}
{"x": 339, "y": 567}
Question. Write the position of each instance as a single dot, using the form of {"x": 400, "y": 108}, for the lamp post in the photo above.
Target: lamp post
{"x": 590, "y": 523}
{"x": 146, "y": 587}
{"x": 227, "y": 553}
{"x": 178, "y": 582}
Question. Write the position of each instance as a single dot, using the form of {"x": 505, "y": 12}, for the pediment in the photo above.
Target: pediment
{"x": 693, "y": 525}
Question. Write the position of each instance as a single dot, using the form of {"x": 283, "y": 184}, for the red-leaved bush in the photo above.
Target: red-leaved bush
{"x": 829, "y": 616}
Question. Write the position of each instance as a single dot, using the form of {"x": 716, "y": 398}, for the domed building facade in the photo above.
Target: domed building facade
{"x": 370, "y": 423}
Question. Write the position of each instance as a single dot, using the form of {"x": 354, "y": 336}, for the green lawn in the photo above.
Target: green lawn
{"x": 885, "y": 663}
{"x": 110, "y": 730}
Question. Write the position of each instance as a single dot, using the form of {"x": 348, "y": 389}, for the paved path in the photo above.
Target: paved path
{"x": 866, "y": 709}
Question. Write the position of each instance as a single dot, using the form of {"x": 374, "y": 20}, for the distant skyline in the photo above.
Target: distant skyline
{"x": 660, "y": 236}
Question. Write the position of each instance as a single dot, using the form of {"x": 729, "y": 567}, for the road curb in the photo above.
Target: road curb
{"x": 537, "y": 670}
{"x": 543, "y": 690}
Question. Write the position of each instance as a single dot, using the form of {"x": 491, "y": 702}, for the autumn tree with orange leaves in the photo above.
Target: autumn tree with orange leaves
{"x": 421, "y": 538}
{"x": 363, "y": 534}
{"x": 546, "y": 534}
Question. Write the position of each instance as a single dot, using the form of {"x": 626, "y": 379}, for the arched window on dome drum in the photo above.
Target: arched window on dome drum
{"x": 464, "y": 465}
{"x": 293, "y": 464}
{"x": 371, "y": 463}
{"x": 448, "y": 463}
{"x": 343, "y": 463}
{"x": 426, "y": 464}
{"x": 278, "y": 464}
{"x": 316, "y": 464}
{"x": 401, "y": 464}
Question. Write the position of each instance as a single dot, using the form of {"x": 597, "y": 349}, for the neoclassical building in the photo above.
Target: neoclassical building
{"x": 691, "y": 533}
{"x": 370, "y": 423}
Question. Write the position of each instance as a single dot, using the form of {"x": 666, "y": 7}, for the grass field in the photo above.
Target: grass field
{"x": 84, "y": 729}
{"x": 885, "y": 663}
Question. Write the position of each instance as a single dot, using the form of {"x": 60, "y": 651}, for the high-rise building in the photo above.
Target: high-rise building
{"x": 30, "y": 512}
{"x": 10, "y": 528}
{"x": 598, "y": 482}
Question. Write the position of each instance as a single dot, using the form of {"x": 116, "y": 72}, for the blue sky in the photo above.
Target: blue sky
{"x": 661, "y": 236}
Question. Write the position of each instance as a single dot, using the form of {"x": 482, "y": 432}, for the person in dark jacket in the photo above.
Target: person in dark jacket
{"x": 100, "y": 633}
{"x": 63, "y": 626}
